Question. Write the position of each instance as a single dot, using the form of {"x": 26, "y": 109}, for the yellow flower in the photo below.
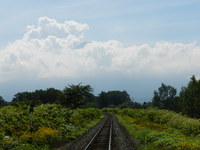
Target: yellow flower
{"x": 45, "y": 131}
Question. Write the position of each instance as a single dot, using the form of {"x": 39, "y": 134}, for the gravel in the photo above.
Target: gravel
{"x": 121, "y": 140}
{"x": 81, "y": 142}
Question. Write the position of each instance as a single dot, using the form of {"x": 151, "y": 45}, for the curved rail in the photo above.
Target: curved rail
{"x": 97, "y": 134}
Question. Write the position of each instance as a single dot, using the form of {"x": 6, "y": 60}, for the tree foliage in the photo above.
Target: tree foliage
{"x": 165, "y": 97}
{"x": 190, "y": 98}
{"x": 2, "y": 102}
{"x": 130, "y": 104}
{"x": 76, "y": 95}
{"x": 49, "y": 95}
{"x": 113, "y": 98}
{"x": 188, "y": 101}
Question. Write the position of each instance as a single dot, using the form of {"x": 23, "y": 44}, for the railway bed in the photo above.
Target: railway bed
{"x": 107, "y": 135}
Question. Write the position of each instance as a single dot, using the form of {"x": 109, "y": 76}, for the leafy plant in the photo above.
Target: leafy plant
{"x": 45, "y": 124}
{"x": 161, "y": 129}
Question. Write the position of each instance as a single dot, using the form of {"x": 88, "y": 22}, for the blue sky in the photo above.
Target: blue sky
{"x": 130, "y": 21}
{"x": 123, "y": 44}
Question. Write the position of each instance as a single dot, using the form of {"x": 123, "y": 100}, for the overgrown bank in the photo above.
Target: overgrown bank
{"x": 44, "y": 127}
{"x": 160, "y": 129}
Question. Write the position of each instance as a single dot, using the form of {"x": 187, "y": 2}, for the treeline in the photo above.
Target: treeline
{"x": 187, "y": 102}
{"x": 81, "y": 96}
{"x": 73, "y": 96}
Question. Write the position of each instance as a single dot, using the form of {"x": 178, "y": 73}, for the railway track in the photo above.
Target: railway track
{"x": 102, "y": 140}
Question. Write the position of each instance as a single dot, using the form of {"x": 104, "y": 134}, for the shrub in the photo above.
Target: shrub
{"x": 44, "y": 135}
{"x": 50, "y": 115}
{"x": 30, "y": 147}
{"x": 166, "y": 129}
{"x": 7, "y": 143}
{"x": 174, "y": 120}
{"x": 81, "y": 116}
{"x": 45, "y": 125}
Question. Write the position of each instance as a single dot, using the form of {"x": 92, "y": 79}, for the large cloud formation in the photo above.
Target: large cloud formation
{"x": 53, "y": 49}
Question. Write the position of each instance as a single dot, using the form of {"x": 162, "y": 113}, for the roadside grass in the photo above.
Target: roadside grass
{"x": 161, "y": 134}
{"x": 138, "y": 133}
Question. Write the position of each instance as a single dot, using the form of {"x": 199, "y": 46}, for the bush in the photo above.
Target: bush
{"x": 8, "y": 143}
{"x": 45, "y": 125}
{"x": 162, "y": 139}
{"x": 14, "y": 120}
{"x": 50, "y": 115}
{"x": 174, "y": 120}
{"x": 30, "y": 147}
{"x": 44, "y": 135}
{"x": 81, "y": 116}
{"x": 165, "y": 129}
{"x": 2, "y": 134}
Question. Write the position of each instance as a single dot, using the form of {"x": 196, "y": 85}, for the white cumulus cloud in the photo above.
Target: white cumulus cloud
{"x": 52, "y": 49}
{"x": 54, "y": 34}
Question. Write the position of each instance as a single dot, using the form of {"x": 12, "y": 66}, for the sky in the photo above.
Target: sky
{"x": 132, "y": 45}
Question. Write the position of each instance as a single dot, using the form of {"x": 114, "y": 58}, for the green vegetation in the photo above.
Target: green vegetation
{"x": 81, "y": 96}
{"x": 113, "y": 98}
{"x": 165, "y": 98}
{"x": 35, "y": 120}
{"x": 188, "y": 101}
{"x": 2, "y": 102}
{"x": 161, "y": 129}
{"x": 44, "y": 127}
{"x": 44, "y": 118}
{"x": 73, "y": 96}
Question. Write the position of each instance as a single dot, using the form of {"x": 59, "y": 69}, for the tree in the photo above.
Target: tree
{"x": 130, "y": 104}
{"x": 147, "y": 105}
{"x": 49, "y": 96}
{"x": 2, "y": 102}
{"x": 75, "y": 95}
{"x": 116, "y": 98}
{"x": 165, "y": 98}
{"x": 190, "y": 98}
{"x": 103, "y": 102}
{"x": 22, "y": 96}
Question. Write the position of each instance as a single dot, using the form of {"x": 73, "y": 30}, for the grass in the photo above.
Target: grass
{"x": 154, "y": 135}
{"x": 138, "y": 133}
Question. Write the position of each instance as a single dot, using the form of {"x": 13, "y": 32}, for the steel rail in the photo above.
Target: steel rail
{"x": 110, "y": 136}
{"x": 96, "y": 134}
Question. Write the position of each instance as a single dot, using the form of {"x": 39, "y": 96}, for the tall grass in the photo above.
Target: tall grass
{"x": 161, "y": 129}
{"x": 186, "y": 125}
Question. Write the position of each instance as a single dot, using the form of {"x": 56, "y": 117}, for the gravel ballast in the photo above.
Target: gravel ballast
{"x": 121, "y": 140}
